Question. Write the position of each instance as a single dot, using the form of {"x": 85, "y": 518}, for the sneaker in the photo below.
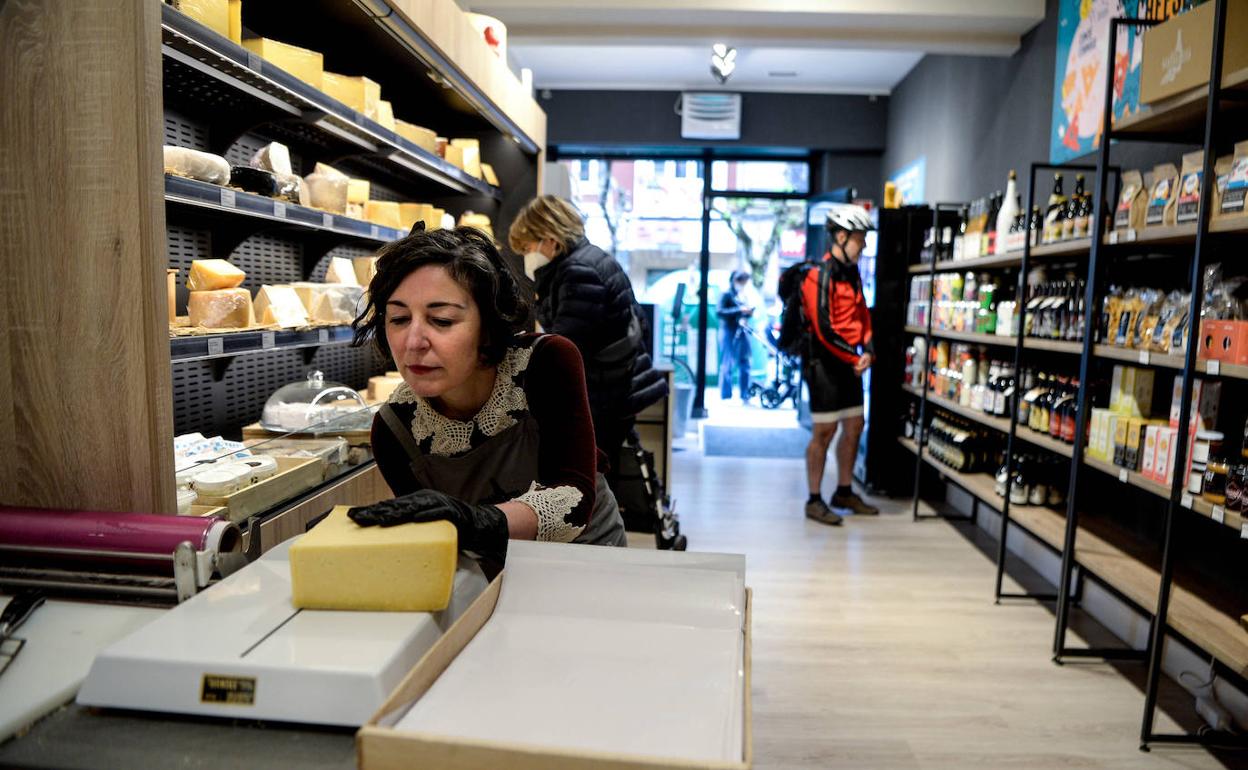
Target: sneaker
{"x": 854, "y": 504}
{"x": 820, "y": 512}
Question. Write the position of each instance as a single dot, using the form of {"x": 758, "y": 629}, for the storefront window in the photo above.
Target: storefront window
{"x": 777, "y": 176}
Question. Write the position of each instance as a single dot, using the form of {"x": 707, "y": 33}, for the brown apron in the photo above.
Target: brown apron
{"x": 501, "y": 469}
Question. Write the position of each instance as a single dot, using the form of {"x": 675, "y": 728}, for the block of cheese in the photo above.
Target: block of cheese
{"x": 220, "y": 309}
{"x": 487, "y": 173}
{"x": 308, "y": 66}
{"x": 470, "y": 155}
{"x": 339, "y": 565}
{"x": 384, "y": 213}
{"x": 171, "y": 278}
{"x": 454, "y": 155}
{"x": 210, "y": 274}
{"x": 435, "y": 219}
{"x": 341, "y": 270}
{"x": 236, "y": 22}
{"x": 479, "y": 221}
{"x": 330, "y": 302}
{"x": 280, "y": 305}
{"x": 274, "y": 157}
{"x": 194, "y": 164}
{"x": 411, "y": 213}
{"x": 213, "y": 14}
{"x": 380, "y": 388}
{"x": 365, "y": 269}
{"x": 417, "y": 135}
{"x": 327, "y": 191}
{"x": 357, "y": 191}
{"x": 358, "y": 93}
{"x": 355, "y": 210}
{"x": 384, "y": 114}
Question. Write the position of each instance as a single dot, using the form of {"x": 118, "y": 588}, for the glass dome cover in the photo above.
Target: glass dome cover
{"x": 316, "y": 406}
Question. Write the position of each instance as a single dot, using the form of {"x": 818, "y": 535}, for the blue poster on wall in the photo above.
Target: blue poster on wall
{"x": 1079, "y": 76}
{"x": 911, "y": 182}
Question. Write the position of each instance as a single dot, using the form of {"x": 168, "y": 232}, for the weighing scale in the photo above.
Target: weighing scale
{"x": 242, "y": 650}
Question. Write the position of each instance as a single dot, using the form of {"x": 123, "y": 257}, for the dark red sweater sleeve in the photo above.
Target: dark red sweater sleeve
{"x": 555, "y": 388}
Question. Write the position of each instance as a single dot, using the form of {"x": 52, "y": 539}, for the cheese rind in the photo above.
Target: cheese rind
{"x": 212, "y": 274}
{"x": 220, "y": 309}
{"x": 308, "y": 66}
{"x": 280, "y": 305}
{"x": 339, "y": 565}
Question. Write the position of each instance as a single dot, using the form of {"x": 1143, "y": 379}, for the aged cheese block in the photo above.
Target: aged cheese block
{"x": 220, "y": 309}
{"x": 487, "y": 171}
{"x": 171, "y": 278}
{"x": 380, "y": 388}
{"x": 479, "y": 221}
{"x": 194, "y": 164}
{"x": 330, "y": 302}
{"x": 274, "y": 157}
{"x": 384, "y": 213}
{"x": 213, "y": 14}
{"x": 236, "y": 21}
{"x": 341, "y": 270}
{"x": 357, "y": 191}
{"x": 340, "y": 565}
{"x": 384, "y": 114}
{"x": 358, "y": 93}
{"x": 435, "y": 218}
{"x": 365, "y": 269}
{"x": 470, "y": 155}
{"x": 454, "y": 154}
{"x": 411, "y": 213}
{"x": 210, "y": 274}
{"x": 280, "y": 305}
{"x": 308, "y": 66}
{"x": 417, "y": 135}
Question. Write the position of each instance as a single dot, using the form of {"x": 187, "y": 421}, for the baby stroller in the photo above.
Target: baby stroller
{"x": 786, "y": 384}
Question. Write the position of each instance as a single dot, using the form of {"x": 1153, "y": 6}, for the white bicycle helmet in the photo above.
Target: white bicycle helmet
{"x": 849, "y": 217}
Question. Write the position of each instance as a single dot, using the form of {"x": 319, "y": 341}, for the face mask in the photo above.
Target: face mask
{"x": 533, "y": 260}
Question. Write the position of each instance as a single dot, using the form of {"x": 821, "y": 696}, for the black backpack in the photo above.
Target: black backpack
{"x": 794, "y": 336}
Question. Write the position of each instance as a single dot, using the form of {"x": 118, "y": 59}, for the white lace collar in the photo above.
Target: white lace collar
{"x": 452, "y": 437}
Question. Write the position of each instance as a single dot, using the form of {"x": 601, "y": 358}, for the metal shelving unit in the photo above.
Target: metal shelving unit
{"x": 211, "y": 346}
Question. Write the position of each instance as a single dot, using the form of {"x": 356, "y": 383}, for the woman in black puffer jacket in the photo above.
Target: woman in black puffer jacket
{"x": 584, "y": 295}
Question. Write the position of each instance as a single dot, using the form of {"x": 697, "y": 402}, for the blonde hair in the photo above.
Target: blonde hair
{"x": 547, "y": 216}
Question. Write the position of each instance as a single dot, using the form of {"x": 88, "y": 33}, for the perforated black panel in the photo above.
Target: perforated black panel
{"x": 181, "y": 132}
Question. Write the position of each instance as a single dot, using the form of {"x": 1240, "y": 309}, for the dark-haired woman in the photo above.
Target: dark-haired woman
{"x": 491, "y": 429}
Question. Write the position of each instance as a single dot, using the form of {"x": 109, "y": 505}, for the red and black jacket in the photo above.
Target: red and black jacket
{"x": 832, "y": 297}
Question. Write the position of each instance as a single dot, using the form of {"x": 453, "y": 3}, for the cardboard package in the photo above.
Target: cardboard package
{"x": 1161, "y": 196}
{"x": 1177, "y": 52}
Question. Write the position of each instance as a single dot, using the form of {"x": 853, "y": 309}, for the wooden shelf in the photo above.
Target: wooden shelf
{"x": 1014, "y": 258}
{"x": 1001, "y": 424}
{"x": 1131, "y": 574}
{"x": 1055, "y": 346}
{"x": 1031, "y": 343}
{"x": 1181, "y": 113}
{"x": 1171, "y": 361}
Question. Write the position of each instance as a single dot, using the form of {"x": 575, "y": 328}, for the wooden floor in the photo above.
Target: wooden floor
{"x": 877, "y": 644}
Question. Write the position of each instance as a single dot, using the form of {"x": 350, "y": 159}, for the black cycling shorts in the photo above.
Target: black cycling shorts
{"x": 835, "y": 391}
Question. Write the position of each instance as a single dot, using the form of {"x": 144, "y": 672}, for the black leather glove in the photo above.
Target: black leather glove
{"x": 482, "y": 528}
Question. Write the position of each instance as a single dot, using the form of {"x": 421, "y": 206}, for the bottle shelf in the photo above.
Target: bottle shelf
{"x": 1032, "y": 343}
{"x": 204, "y": 196}
{"x": 1130, "y": 571}
{"x": 208, "y": 346}
{"x": 212, "y": 69}
{"x": 1000, "y": 424}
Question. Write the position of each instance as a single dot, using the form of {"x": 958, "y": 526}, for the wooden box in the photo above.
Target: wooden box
{"x": 1177, "y": 52}
{"x": 294, "y": 476}
{"x": 380, "y": 747}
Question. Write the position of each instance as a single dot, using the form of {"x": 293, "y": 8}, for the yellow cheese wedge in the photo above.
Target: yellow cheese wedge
{"x": 479, "y": 221}
{"x": 236, "y": 21}
{"x": 213, "y": 14}
{"x": 365, "y": 269}
{"x": 434, "y": 220}
{"x": 210, "y": 274}
{"x": 341, "y": 270}
{"x": 411, "y": 213}
{"x": 357, "y": 191}
{"x": 308, "y": 66}
{"x": 384, "y": 213}
{"x": 454, "y": 155}
{"x": 220, "y": 309}
{"x": 340, "y": 565}
{"x": 358, "y": 93}
{"x": 487, "y": 172}
{"x": 417, "y": 135}
{"x": 380, "y": 388}
{"x": 280, "y": 305}
{"x": 470, "y": 155}
{"x": 384, "y": 114}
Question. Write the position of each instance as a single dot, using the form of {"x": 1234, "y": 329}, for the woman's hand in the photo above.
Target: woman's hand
{"x": 482, "y": 528}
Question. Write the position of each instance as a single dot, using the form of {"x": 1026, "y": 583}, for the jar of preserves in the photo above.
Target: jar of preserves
{"x": 1216, "y": 472}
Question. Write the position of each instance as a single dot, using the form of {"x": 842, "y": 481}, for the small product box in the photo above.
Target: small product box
{"x": 1122, "y": 426}
{"x": 1115, "y": 388}
{"x": 1135, "y": 391}
{"x": 1225, "y": 341}
{"x": 1096, "y": 434}
{"x": 1163, "y": 463}
{"x": 1148, "y": 463}
{"x": 1135, "y": 443}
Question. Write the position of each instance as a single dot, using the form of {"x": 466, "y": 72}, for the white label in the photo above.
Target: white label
{"x": 216, "y": 346}
{"x": 1144, "y": 357}
{"x": 1219, "y": 514}
{"x": 1123, "y": 475}
{"x": 1128, "y": 235}
{"x": 327, "y": 220}
{"x": 376, "y": 232}
{"x": 253, "y": 61}
{"x": 1186, "y": 501}
{"x": 1113, "y": 238}
{"x": 1243, "y": 530}
{"x": 266, "y": 340}
{"x": 227, "y": 198}
{"x": 1213, "y": 367}
{"x": 323, "y": 335}
{"x": 279, "y": 209}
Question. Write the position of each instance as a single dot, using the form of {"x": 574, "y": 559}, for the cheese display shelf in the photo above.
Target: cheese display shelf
{"x": 213, "y": 70}
{"x": 210, "y": 197}
{"x": 196, "y": 348}
{"x": 1204, "y": 615}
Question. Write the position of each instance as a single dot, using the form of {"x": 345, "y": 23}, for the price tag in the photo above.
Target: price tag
{"x": 279, "y": 209}
{"x": 375, "y": 232}
{"x": 1219, "y": 514}
{"x": 1144, "y": 357}
{"x": 1213, "y": 367}
{"x": 1186, "y": 501}
{"x": 1113, "y": 238}
{"x": 1129, "y": 235}
{"x": 266, "y": 340}
{"x": 253, "y": 61}
{"x": 1123, "y": 475}
{"x": 227, "y": 198}
{"x": 322, "y": 335}
{"x": 1243, "y": 530}
{"x": 327, "y": 220}
{"x": 216, "y": 346}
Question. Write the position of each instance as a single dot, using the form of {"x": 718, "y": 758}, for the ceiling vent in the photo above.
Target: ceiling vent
{"x": 710, "y": 115}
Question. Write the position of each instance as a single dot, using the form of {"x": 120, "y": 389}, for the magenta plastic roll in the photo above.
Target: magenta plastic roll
{"x": 111, "y": 533}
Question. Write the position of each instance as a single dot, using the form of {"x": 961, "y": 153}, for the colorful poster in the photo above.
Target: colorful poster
{"x": 911, "y": 182}
{"x": 1079, "y": 76}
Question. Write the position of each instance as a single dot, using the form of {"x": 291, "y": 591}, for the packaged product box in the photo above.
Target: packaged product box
{"x": 1115, "y": 388}
{"x": 1131, "y": 202}
{"x": 1122, "y": 426}
{"x": 1187, "y": 198}
{"x": 308, "y": 66}
{"x": 1223, "y": 340}
{"x": 1207, "y": 406}
{"x": 1232, "y": 203}
{"x": 1095, "y": 429}
{"x": 1222, "y": 174}
{"x": 1148, "y": 461}
{"x": 1176, "y": 53}
{"x": 1176, "y": 397}
{"x": 1134, "y": 447}
{"x": 1163, "y": 463}
{"x": 1161, "y": 197}
{"x": 1138, "y": 393}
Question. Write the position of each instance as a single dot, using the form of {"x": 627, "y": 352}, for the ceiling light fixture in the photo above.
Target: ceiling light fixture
{"x": 723, "y": 62}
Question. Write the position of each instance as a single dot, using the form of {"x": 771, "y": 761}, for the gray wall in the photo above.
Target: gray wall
{"x": 974, "y": 118}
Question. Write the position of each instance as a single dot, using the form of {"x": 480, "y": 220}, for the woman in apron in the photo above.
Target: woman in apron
{"x": 491, "y": 429}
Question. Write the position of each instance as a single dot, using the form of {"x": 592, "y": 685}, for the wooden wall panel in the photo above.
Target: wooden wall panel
{"x": 85, "y": 405}
{"x": 364, "y": 488}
